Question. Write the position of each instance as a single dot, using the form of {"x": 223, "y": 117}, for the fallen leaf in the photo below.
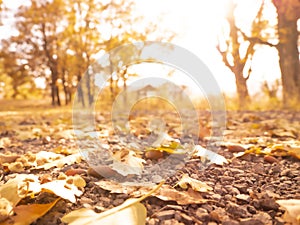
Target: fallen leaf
{"x": 125, "y": 214}
{"x": 77, "y": 180}
{"x": 165, "y": 193}
{"x": 295, "y": 152}
{"x": 27, "y": 214}
{"x": 126, "y": 162}
{"x": 154, "y": 154}
{"x": 9, "y": 191}
{"x": 131, "y": 212}
{"x": 292, "y": 207}
{"x": 196, "y": 185}
{"x": 8, "y": 158}
{"x": 190, "y": 196}
{"x": 15, "y": 167}
{"x": 4, "y": 142}
{"x": 205, "y": 154}
{"x": 6, "y": 209}
{"x": 116, "y": 187}
{"x": 62, "y": 189}
{"x": 61, "y": 161}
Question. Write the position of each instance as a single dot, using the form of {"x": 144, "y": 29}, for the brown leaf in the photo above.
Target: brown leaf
{"x": 235, "y": 148}
{"x": 27, "y": 214}
{"x": 196, "y": 185}
{"x": 8, "y": 158}
{"x": 190, "y": 196}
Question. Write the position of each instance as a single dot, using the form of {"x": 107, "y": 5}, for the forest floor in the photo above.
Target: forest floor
{"x": 262, "y": 169}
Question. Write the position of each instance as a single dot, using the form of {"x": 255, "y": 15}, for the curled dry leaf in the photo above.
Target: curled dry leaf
{"x": 292, "y": 207}
{"x": 77, "y": 180}
{"x": 233, "y": 147}
{"x": 190, "y": 196}
{"x": 126, "y": 162}
{"x": 154, "y": 154}
{"x": 196, "y": 185}
{"x": 206, "y": 154}
{"x": 8, "y": 158}
{"x": 4, "y": 142}
{"x": 6, "y": 209}
{"x": 12, "y": 188}
{"x": 15, "y": 167}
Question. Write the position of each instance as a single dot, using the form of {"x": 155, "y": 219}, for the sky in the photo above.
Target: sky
{"x": 198, "y": 23}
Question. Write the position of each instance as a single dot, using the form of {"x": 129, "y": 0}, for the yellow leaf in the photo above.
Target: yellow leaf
{"x": 131, "y": 212}
{"x": 134, "y": 214}
{"x": 19, "y": 187}
{"x": 196, "y": 185}
{"x": 15, "y": 167}
{"x": 27, "y": 214}
{"x": 295, "y": 152}
{"x": 62, "y": 189}
{"x": 5, "y": 209}
{"x": 9, "y": 191}
{"x": 61, "y": 161}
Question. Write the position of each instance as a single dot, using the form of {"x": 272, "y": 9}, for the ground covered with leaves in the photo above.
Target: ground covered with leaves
{"x": 255, "y": 178}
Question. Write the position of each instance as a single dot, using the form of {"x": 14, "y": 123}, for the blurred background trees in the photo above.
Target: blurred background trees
{"x": 238, "y": 57}
{"x": 57, "y": 40}
{"x": 54, "y": 42}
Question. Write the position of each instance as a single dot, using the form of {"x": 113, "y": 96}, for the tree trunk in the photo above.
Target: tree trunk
{"x": 80, "y": 91}
{"x": 288, "y": 13}
{"x": 289, "y": 59}
{"x": 241, "y": 87}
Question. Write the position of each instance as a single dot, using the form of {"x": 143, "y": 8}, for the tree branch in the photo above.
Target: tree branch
{"x": 224, "y": 57}
{"x": 256, "y": 40}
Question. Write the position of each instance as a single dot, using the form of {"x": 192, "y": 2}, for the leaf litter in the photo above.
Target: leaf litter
{"x": 281, "y": 146}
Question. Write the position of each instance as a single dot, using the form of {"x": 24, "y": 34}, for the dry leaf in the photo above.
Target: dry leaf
{"x": 233, "y": 147}
{"x": 27, "y": 214}
{"x": 292, "y": 207}
{"x": 4, "y": 142}
{"x": 168, "y": 193}
{"x": 61, "y": 161}
{"x": 196, "y": 185}
{"x": 77, "y": 180}
{"x": 131, "y": 212}
{"x": 15, "y": 167}
{"x": 295, "y": 152}
{"x": 9, "y": 191}
{"x": 19, "y": 187}
{"x": 205, "y": 154}
{"x": 8, "y": 158}
{"x": 126, "y": 162}
{"x": 115, "y": 187}
{"x": 63, "y": 189}
{"x": 125, "y": 214}
{"x": 5, "y": 209}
